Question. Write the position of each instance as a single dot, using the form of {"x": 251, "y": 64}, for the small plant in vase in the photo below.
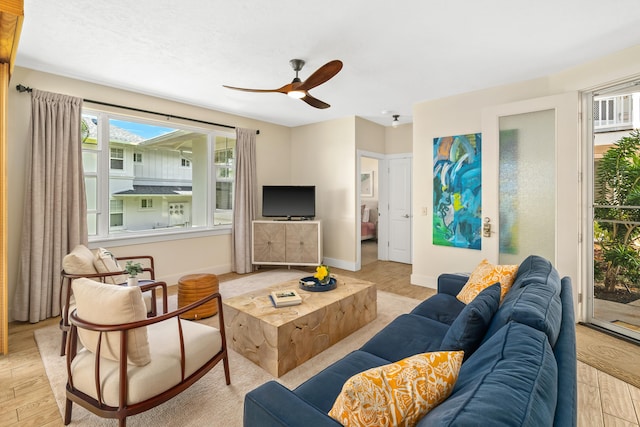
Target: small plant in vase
{"x": 133, "y": 269}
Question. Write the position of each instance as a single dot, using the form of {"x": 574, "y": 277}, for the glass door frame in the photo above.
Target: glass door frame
{"x": 588, "y": 184}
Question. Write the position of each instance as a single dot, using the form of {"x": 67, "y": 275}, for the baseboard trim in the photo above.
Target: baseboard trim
{"x": 424, "y": 281}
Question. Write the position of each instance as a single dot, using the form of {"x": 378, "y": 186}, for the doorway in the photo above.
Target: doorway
{"x": 614, "y": 279}
{"x": 384, "y": 201}
{"x": 369, "y": 209}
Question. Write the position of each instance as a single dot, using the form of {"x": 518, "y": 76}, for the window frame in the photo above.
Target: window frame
{"x": 103, "y": 235}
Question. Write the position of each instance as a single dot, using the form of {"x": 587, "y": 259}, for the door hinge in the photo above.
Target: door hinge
{"x": 580, "y": 298}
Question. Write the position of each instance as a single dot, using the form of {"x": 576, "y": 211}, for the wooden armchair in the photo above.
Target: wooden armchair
{"x": 123, "y": 349}
{"x": 103, "y": 267}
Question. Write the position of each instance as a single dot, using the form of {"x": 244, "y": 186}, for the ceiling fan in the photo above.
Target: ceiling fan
{"x": 298, "y": 88}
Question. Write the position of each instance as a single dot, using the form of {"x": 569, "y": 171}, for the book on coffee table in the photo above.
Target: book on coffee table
{"x": 285, "y": 298}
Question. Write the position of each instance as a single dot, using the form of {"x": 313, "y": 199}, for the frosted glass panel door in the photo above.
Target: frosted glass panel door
{"x": 529, "y": 173}
{"x": 527, "y": 186}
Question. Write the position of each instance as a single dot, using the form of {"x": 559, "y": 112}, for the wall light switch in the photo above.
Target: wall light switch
{"x": 424, "y": 210}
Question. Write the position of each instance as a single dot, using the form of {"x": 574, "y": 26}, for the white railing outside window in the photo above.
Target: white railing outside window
{"x": 613, "y": 113}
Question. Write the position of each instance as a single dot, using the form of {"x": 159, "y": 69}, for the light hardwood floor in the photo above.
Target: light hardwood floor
{"x": 26, "y": 398}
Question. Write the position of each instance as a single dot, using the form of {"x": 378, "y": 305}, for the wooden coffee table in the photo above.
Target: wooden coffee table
{"x": 279, "y": 339}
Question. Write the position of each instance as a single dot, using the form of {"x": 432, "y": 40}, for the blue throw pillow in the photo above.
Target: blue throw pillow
{"x": 468, "y": 330}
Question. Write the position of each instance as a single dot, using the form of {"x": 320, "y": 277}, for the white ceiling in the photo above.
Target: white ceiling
{"x": 394, "y": 53}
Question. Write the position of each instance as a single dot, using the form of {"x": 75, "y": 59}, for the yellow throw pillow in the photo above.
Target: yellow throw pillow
{"x": 398, "y": 394}
{"x": 485, "y": 275}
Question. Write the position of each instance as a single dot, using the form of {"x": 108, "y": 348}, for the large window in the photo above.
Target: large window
{"x": 185, "y": 182}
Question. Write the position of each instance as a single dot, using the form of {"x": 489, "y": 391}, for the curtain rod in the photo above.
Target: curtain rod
{"x": 21, "y": 88}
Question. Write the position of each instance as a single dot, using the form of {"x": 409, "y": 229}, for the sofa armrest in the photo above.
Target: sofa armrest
{"x": 451, "y": 284}
{"x": 565, "y": 353}
{"x": 273, "y": 405}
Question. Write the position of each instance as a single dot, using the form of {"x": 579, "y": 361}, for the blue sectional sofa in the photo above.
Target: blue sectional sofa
{"x": 522, "y": 373}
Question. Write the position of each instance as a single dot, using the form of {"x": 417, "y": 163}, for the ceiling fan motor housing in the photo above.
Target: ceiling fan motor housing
{"x": 296, "y": 64}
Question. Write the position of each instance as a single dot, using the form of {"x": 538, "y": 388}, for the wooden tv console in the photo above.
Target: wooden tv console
{"x": 286, "y": 242}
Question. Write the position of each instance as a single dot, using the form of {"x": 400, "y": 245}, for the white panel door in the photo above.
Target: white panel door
{"x": 400, "y": 210}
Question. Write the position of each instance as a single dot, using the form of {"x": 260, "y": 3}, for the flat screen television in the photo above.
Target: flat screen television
{"x": 289, "y": 201}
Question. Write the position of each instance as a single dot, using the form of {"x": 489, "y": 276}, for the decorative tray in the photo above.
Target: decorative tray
{"x": 312, "y": 284}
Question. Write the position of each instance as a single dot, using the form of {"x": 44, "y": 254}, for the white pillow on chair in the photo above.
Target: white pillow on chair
{"x": 79, "y": 261}
{"x": 105, "y": 262}
{"x": 112, "y": 305}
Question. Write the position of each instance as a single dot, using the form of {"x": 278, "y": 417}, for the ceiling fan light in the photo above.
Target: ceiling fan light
{"x": 395, "y": 121}
{"x": 297, "y": 94}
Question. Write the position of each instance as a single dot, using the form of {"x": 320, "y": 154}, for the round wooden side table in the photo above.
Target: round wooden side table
{"x": 193, "y": 287}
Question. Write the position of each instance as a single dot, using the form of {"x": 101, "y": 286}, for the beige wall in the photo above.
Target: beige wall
{"x": 324, "y": 155}
{"x": 369, "y": 136}
{"x": 173, "y": 258}
{"x": 463, "y": 114}
{"x": 398, "y": 140}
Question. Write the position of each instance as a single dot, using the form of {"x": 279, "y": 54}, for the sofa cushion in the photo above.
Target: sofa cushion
{"x": 398, "y": 394}
{"x": 105, "y": 262}
{"x": 112, "y": 305}
{"x": 406, "y": 335}
{"x": 331, "y": 379}
{"x": 468, "y": 330}
{"x": 441, "y": 307}
{"x": 484, "y": 275}
{"x": 535, "y": 301}
{"x": 512, "y": 377}
{"x": 535, "y": 269}
{"x": 79, "y": 261}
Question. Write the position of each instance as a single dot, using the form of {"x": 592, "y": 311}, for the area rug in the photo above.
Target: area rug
{"x": 611, "y": 355}
{"x": 210, "y": 401}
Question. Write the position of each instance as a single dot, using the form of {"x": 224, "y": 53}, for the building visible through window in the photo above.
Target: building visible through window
{"x": 171, "y": 189}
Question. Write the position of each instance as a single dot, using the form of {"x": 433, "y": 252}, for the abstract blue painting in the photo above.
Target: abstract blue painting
{"x": 457, "y": 191}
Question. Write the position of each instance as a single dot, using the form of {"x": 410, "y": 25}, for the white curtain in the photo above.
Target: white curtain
{"x": 55, "y": 209}
{"x": 245, "y": 201}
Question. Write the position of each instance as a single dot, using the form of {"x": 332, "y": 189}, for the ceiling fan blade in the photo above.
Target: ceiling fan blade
{"x": 315, "y": 102}
{"x": 284, "y": 89}
{"x": 322, "y": 74}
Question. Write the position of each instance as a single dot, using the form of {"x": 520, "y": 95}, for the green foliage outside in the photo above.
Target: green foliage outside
{"x": 617, "y": 214}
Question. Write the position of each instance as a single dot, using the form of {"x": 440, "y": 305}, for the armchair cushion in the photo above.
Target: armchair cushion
{"x": 79, "y": 261}
{"x": 112, "y": 305}
{"x": 105, "y": 262}
{"x": 202, "y": 342}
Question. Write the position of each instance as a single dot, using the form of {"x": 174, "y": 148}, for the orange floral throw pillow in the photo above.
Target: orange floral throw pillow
{"x": 485, "y": 275}
{"x": 398, "y": 394}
